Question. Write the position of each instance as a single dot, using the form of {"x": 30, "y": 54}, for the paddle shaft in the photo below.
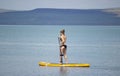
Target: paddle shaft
{"x": 61, "y": 59}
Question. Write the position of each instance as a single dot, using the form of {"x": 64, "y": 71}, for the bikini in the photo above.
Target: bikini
{"x": 65, "y": 48}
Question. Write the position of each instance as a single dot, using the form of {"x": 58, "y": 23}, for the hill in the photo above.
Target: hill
{"x": 45, "y": 16}
{"x": 5, "y": 10}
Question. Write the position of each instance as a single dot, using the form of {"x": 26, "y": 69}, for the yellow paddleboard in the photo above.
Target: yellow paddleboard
{"x": 65, "y": 65}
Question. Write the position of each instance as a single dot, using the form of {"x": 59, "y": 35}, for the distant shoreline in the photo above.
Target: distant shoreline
{"x": 45, "y": 16}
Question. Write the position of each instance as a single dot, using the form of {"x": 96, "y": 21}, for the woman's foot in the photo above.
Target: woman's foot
{"x": 61, "y": 62}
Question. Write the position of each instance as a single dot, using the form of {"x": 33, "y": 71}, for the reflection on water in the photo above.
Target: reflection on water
{"x": 63, "y": 71}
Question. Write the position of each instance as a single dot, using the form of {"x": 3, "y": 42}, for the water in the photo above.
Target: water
{"x": 22, "y": 47}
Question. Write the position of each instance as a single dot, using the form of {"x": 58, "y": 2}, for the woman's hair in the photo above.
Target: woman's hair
{"x": 62, "y": 31}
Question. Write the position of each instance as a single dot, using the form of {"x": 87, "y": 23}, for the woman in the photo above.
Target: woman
{"x": 63, "y": 46}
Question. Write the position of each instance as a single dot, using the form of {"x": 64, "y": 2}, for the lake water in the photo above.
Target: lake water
{"x": 23, "y": 46}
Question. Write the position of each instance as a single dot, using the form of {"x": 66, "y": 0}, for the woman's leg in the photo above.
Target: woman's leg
{"x": 61, "y": 54}
{"x": 65, "y": 54}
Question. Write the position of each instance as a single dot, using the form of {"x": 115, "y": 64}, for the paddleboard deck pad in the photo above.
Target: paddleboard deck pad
{"x": 64, "y": 64}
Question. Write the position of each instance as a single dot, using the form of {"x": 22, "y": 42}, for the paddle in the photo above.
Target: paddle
{"x": 61, "y": 60}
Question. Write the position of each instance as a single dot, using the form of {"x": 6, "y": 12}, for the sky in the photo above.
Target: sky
{"x": 65, "y": 4}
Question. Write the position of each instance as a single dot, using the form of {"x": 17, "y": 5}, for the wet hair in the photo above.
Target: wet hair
{"x": 62, "y": 31}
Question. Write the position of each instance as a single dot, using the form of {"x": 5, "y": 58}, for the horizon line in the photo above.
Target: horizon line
{"x": 61, "y": 8}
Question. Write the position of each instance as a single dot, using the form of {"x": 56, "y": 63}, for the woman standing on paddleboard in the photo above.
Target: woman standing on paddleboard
{"x": 63, "y": 46}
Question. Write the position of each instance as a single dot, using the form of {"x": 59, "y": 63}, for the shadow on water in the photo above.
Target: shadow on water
{"x": 59, "y": 71}
{"x": 69, "y": 71}
{"x": 63, "y": 71}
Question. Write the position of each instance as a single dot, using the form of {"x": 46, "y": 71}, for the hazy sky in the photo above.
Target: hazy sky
{"x": 77, "y": 4}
